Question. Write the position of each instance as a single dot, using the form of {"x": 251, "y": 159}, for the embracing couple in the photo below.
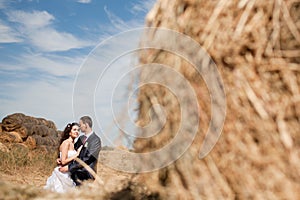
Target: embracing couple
{"x": 69, "y": 172}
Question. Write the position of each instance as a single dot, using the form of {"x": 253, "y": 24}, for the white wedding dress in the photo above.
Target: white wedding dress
{"x": 59, "y": 181}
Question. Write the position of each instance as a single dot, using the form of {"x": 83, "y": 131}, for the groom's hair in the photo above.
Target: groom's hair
{"x": 87, "y": 120}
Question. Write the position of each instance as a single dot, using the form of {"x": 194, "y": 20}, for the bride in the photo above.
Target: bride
{"x": 61, "y": 181}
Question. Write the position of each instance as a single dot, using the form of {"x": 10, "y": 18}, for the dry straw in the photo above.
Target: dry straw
{"x": 256, "y": 46}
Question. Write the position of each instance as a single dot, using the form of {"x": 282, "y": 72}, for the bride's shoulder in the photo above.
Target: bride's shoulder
{"x": 66, "y": 143}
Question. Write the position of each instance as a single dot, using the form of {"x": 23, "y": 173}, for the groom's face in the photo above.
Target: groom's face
{"x": 82, "y": 126}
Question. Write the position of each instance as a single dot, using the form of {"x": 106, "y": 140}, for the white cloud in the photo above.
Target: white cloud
{"x": 117, "y": 22}
{"x": 48, "y": 39}
{"x": 142, "y": 6}
{"x": 3, "y": 4}
{"x": 34, "y": 20}
{"x": 84, "y": 1}
{"x": 139, "y": 8}
{"x": 101, "y": 72}
{"x": 41, "y": 85}
{"x": 7, "y": 34}
{"x": 36, "y": 28}
{"x": 52, "y": 65}
{"x": 40, "y": 98}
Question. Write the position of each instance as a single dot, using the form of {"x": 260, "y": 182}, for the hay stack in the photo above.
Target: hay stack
{"x": 256, "y": 47}
{"x": 31, "y": 131}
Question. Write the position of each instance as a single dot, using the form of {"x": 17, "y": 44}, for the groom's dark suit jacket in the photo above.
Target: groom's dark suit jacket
{"x": 88, "y": 154}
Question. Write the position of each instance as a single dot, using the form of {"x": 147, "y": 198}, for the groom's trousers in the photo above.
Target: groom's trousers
{"x": 80, "y": 175}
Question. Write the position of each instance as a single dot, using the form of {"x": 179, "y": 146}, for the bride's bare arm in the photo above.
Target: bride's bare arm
{"x": 65, "y": 168}
{"x": 64, "y": 158}
{"x": 64, "y": 147}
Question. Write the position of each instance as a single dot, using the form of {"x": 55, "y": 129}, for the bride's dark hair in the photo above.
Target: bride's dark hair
{"x": 66, "y": 133}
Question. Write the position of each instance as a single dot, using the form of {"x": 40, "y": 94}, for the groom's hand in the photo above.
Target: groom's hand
{"x": 64, "y": 169}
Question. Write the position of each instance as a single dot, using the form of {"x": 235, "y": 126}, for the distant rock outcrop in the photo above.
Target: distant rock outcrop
{"x": 30, "y": 131}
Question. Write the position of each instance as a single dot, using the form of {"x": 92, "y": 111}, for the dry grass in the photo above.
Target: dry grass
{"x": 23, "y": 175}
{"x": 20, "y": 158}
{"x": 21, "y": 166}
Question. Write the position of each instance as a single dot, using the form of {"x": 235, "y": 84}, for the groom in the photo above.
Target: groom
{"x": 88, "y": 154}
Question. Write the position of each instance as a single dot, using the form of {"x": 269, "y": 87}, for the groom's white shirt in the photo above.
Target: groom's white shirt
{"x": 88, "y": 135}
{"x": 81, "y": 133}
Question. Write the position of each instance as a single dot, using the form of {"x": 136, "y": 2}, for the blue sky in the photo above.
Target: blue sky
{"x": 44, "y": 44}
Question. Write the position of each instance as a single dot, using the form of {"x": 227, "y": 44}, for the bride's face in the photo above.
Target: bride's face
{"x": 74, "y": 131}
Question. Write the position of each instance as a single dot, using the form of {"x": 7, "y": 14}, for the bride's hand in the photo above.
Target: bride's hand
{"x": 63, "y": 169}
{"x": 58, "y": 161}
{"x": 78, "y": 150}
